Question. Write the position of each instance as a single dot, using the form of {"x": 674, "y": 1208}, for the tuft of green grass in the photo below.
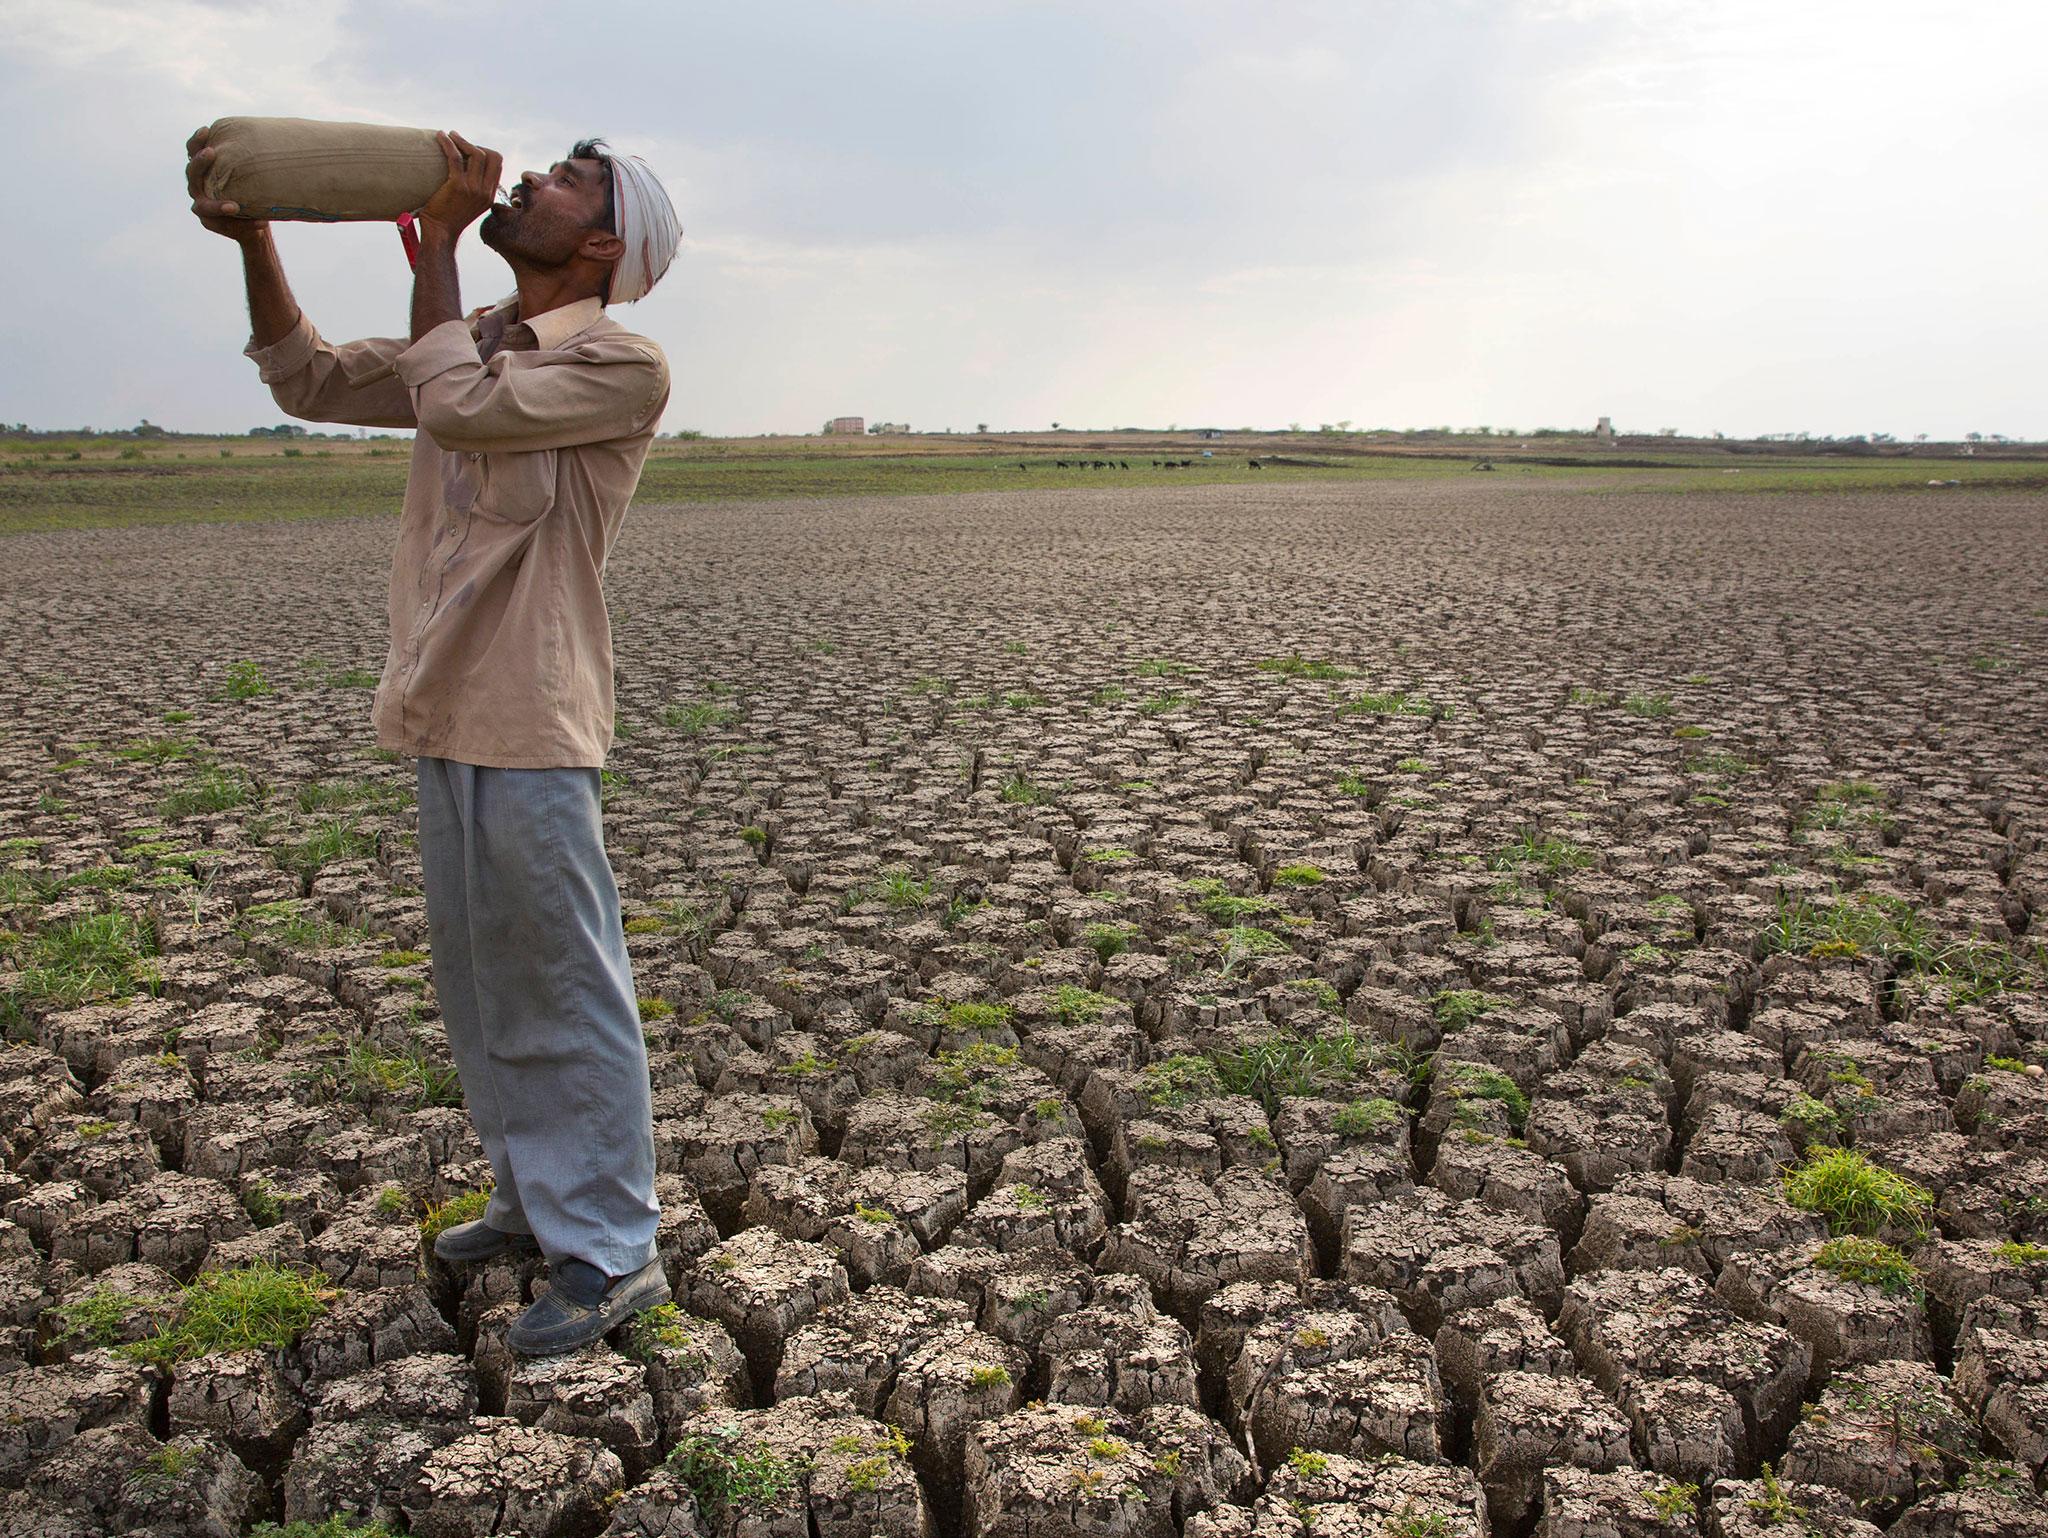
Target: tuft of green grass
{"x": 1018, "y": 790}
{"x": 331, "y": 1527}
{"x": 298, "y": 923}
{"x": 1553, "y": 855}
{"x": 1287, "y": 1066}
{"x": 157, "y": 750}
{"x": 1856, "y": 1196}
{"x": 1891, "y": 929}
{"x": 2014, "y": 1253}
{"x": 1299, "y": 875}
{"x": 1363, "y": 1118}
{"x": 442, "y": 1216}
{"x": 1775, "y": 1506}
{"x": 897, "y": 888}
{"x": 1079, "y": 1006}
{"x": 331, "y": 840}
{"x": 1179, "y": 1080}
{"x": 969, "y": 1016}
{"x": 1818, "y": 1117}
{"x": 260, "y": 1306}
{"x": 1242, "y": 944}
{"x": 664, "y": 1327}
{"x": 97, "y": 1317}
{"x": 243, "y": 680}
{"x": 1294, "y": 665}
{"x": 213, "y": 789}
{"x": 367, "y": 1074}
{"x": 339, "y": 795}
{"x": 1470, "y": 1081}
{"x": 726, "y": 1472}
{"x": 697, "y": 719}
{"x": 1648, "y": 705}
{"x": 87, "y": 959}
{"x": 1397, "y": 702}
{"x": 1220, "y": 906}
{"x": 1107, "y": 940}
{"x": 1869, "y": 1261}
{"x": 1456, "y": 1008}
{"x": 1672, "y": 1500}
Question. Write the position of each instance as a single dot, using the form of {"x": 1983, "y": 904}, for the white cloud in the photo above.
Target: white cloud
{"x": 1737, "y": 215}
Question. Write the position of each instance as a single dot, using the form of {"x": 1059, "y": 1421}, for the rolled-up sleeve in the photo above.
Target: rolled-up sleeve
{"x": 527, "y": 401}
{"x": 352, "y": 384}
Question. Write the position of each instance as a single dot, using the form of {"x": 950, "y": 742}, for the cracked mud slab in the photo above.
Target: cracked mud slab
{"x": 1224, "y": 1011}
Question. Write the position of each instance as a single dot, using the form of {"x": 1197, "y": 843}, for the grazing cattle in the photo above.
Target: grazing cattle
{"x": 1060, "y": 463}
{"x": 1022, "y": 466}
{"x": 1122, "y": 464}
{"x": 1255, "y": 464}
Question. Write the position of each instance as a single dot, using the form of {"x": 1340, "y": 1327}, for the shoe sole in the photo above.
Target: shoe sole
{"x": 518, "y": 1245}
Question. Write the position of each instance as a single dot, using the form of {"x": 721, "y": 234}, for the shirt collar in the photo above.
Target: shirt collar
{"x": 553, "y": 327}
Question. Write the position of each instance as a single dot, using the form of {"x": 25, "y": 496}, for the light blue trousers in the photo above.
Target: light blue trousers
{"x": 537, "y": 995}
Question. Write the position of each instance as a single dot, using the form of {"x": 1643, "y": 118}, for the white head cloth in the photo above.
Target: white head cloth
{"x": 647, "y": 224}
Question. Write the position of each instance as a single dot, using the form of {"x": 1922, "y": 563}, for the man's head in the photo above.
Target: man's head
{"x": 561, "y": 218}
{"x": 601, "y": 219}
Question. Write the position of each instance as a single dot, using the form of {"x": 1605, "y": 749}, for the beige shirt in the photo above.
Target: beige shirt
{"x": 531, "y": 438}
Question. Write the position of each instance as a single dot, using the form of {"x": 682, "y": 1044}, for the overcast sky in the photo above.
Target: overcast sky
{"x": 1735, "y": 215}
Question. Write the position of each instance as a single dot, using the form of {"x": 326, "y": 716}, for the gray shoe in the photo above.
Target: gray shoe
{"x": 555, "y": 1322}
{"x": 468, "y": 1243}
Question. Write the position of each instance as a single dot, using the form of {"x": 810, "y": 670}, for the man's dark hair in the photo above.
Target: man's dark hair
{"x": 598, "y": 150}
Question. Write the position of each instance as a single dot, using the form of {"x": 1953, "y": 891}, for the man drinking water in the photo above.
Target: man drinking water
{"x": 533, "y": 419}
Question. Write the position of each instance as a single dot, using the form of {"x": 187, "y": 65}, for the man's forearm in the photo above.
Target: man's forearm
{"x": 272, "y": 309}
{"x": 436, "y": 287}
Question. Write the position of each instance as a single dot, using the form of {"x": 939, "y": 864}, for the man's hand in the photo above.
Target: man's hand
{"x": 467, "y": 194}
{"x": 223, "y": 218}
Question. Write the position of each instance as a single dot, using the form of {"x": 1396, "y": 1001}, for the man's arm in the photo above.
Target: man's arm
{"x": 307, "y": 377}
{"x": 472, "y": 184}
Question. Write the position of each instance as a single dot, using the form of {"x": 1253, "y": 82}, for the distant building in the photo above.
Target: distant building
{"x": 854, "y": 425}
{"x": 1605, "y": 429}
{"x": 889, "y": 427}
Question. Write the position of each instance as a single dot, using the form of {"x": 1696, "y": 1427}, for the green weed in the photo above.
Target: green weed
{"x": 1179, "y": 1080}
{"x": 1869, "y": 1261}
{"x": 1856, "y": 1196}
{"x": 1285, "y": 1067}
{"x": 726, "y": 1472}
{"x": 1398, "y": 702}
{"x": 243, "y": 680}
{"x": 260, "y": 1306}
{"x": 467, "y": 1207}
{"x": 212, "y": 790}
{"x": 1294, "y": 665}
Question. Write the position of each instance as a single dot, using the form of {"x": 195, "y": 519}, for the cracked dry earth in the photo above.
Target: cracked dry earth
{"x": 1251, "y": 1013}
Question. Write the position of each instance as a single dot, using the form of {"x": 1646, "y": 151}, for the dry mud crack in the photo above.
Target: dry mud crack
{"x": 1413, "y": 1009}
